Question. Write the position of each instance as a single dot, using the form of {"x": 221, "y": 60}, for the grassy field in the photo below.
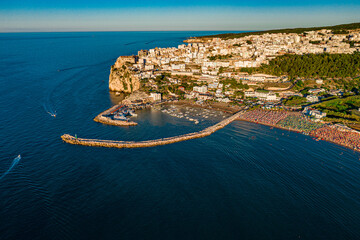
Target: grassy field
{"x": 343, "y": 110}
{"x": 295, "y": 101}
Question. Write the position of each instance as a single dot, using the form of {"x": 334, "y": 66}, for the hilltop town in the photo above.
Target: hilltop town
{"x": 236, "y": 70}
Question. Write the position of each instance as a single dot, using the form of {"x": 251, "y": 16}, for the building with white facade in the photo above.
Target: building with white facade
{"x": 202, "y": 89}
{"x": 155, "y": 96}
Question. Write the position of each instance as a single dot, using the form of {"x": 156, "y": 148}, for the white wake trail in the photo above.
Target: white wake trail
{"x": 14, "y": 163}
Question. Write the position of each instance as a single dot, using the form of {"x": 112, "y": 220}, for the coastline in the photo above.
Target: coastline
{"x": 213, "y": 106}
{"x": 225, "y": 108}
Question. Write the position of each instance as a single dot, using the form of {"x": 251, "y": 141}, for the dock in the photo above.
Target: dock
{"x": 106, "y": 120}
{"x": 150, "y": 143}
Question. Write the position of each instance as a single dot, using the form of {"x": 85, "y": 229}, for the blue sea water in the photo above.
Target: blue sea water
{"x": 245, "y": 181}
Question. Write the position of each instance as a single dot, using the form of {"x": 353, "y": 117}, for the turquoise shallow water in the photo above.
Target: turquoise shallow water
{"x": 245, "y": 181}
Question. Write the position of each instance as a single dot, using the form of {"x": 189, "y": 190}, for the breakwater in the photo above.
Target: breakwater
{"x": 149, "y": 143}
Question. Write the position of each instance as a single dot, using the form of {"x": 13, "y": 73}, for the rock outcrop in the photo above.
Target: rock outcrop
{"x": 122, "y": 78}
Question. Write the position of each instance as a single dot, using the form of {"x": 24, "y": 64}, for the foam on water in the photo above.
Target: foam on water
{"x": 13, "y": 164}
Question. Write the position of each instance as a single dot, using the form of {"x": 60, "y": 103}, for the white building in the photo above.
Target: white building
{"x": 316, "y": 90}
{"x": 314, "y": 113}
{"x": 213, "y": 85}
{"x": 312, "y": 98}
{"x": 263, "y": 78}
{"x": 156, "y": 96}
{"x": 202, "y": 89}
{"x": 319, "y": 81}
{"x": 265, "y": 96}
{"x": 247, "y": 63}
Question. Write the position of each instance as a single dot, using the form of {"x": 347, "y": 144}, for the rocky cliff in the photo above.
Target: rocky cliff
{"x": 122, "y": 79}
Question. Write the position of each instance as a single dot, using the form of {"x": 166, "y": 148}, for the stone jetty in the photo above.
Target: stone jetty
{"x": 105, "y": 120}
{"x": 150, "y": 143}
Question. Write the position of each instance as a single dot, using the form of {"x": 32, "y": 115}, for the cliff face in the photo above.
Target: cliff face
{"x": 121, "y": 78}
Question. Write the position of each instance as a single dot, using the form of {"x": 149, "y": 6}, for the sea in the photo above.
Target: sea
{"x": 245, "y": 181}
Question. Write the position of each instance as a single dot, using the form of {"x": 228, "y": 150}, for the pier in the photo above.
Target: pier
{"x": 106, "y": 120}
{"x": 150, "y": 143}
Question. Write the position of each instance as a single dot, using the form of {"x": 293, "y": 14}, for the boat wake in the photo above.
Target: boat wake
{"x": 49, "y": 110}
{"x": 14, "y": 163}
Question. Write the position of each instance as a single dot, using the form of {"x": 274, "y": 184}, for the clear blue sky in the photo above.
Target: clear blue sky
{"x": 111, "y": 15}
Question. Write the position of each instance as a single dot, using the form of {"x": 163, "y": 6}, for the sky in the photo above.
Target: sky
{"x": 177, "y": 15}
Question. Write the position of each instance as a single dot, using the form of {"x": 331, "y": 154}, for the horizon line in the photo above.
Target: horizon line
{"x": 208, "y": 30}
{"x": 87, "y": 31}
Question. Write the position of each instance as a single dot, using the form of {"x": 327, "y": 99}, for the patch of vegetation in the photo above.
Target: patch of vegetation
{"x": 340, "y": 104}
{"x": 352, "y": 43}
{"x": 161, "y": 79}
{"x": 298, "y": 85}
{"x": 220, "y": 57}
{"x": 288, "y": 30}
{"x": 234, "y": 84}
{"x": 312, "y": 66}
{"x": 350, "y": 84}
{"x": 340, "y": 31}
{"x": 125, "y": 85}
{"x": 262, "y": 90}
{"x": 221, "y": 70}
{"x": 341, "y": 109}
{"x": 295, "y": 101}
{"x": 249, "y": 70}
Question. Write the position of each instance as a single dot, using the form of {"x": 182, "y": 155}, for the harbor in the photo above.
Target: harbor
{"x": 121, "y": 114}
{"x": 150, "y": 143}
{"x": 117, "y": 115}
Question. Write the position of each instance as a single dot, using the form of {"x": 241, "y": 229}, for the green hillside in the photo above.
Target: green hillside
{"x": 336, "y": 29}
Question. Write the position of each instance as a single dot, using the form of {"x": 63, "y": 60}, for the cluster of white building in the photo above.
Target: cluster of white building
{"x": 314, "y": 113}
{"x": 262, "y": 95}
{"x": 246, "y": 52}
{"x": 210, "y": 59}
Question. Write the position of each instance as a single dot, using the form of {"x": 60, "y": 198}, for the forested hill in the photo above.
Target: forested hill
{"x": 312, "y": 66}
{"x": 336, "y": 29}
